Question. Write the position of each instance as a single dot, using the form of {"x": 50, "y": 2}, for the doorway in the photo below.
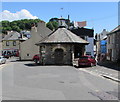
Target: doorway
{"x": 59, "y": 54}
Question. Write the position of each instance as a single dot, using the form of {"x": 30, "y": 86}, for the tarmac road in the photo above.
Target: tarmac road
{"x": 26, "y": 81}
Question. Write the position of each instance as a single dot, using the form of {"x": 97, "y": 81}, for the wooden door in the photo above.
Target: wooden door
{"x": 59, "y": 54}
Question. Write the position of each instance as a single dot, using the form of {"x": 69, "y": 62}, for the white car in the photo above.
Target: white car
{"x": 2, "y": 60}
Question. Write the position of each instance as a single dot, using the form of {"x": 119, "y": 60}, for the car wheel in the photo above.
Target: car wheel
{"x": 36, "y": 61}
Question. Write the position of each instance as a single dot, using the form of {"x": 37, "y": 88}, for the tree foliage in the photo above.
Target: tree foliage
{"x": 25, "y": 24}
{"x": 53, "y": 19}
{"x": 18, "y": 25}
{"x": 52, "y": 25}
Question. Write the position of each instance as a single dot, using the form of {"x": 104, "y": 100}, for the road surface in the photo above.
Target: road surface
{"x": 26, "y": 81}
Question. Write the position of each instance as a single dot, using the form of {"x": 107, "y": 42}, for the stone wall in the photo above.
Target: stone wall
{"x": 50, "y": 53}
{"x": 117, "y": 46}
{"x": 113, "y": 46}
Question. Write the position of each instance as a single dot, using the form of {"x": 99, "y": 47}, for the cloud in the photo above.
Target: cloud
{"x": 23, "y": 14}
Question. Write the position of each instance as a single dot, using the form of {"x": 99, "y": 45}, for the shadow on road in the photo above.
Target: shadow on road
{"x": 33, "y": 65}
{"x": 13, "y": 61}
{"x": 82, "y": 67}
{"x": 23, "y": 60}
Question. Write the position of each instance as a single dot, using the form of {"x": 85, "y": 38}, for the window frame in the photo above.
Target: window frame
{"x": 14, "y": 43}
{"x": 7, "y": 43}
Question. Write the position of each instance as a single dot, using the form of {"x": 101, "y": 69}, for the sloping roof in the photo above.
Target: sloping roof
{"x": 114, "y": 30}
{"x": 83, "y": 32}
{"x": 62, "y": 35}
{"x": 13, "y": 36}
{"x": 46, "y": 32}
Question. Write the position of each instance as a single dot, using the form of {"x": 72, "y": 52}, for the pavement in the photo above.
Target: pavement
{"x": 102, "y": 71}
{"x": 106, "y": 69}
{"x": 110, "y": 65}
{"x": 113, "y": 67}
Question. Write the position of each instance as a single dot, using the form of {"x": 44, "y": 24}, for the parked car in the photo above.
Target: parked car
{"x": 36, "y": 58}
{"x": 2, "y": 60}
{"x": 7, "y": 56}
{"x": 85, "y": 61}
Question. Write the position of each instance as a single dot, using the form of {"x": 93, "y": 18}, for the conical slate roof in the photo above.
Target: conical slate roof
{"x": 62, "y": 35}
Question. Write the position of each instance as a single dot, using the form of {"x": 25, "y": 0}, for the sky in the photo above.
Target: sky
{"x": 99, "y": 15}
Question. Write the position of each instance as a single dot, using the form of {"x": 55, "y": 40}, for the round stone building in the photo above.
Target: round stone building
{"x": 61, "y": 47}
